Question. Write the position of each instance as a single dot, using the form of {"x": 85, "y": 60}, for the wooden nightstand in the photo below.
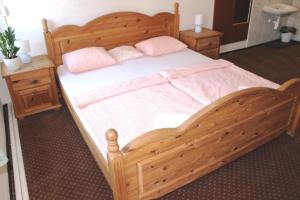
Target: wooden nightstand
{"x": 207, "y": 42}
{"x": 33, "y": 87}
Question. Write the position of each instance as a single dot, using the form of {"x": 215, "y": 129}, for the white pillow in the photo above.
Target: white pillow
{"x": 124, "y": 53}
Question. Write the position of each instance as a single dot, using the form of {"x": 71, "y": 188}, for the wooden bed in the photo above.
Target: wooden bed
{"x": 163, "y": 160}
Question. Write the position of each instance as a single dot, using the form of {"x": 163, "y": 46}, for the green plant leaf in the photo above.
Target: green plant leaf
{"x": 7, "y": 43}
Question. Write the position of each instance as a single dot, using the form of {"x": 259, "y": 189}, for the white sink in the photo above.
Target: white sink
{"x": 280, "y": 9}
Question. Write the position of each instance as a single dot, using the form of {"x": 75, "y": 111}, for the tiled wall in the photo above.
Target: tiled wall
{"x": 260, "y": 30}
{"x": 294, "y": 20}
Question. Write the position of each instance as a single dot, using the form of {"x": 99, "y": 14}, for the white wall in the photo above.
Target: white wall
{"x": 294, "y": 20}
{"x": 25, "y": 16}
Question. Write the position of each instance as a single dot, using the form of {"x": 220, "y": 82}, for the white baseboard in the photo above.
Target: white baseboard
{"x": 21, "y": 189}
{"x": 233, "y": 46}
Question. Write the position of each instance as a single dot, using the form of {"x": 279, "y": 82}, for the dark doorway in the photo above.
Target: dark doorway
{"x": 231, "y": 17}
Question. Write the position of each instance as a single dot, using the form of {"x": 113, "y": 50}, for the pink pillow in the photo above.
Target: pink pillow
{"x": 160, "y": 45}
{"x": 124, "y": 53}
{"x": 87, "y": 59}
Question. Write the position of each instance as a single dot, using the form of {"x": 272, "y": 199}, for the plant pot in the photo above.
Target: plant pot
{"x": 13, "y": 64}
{"x": 286, "y": 37}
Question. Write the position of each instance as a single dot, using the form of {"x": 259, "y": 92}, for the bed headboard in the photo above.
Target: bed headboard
{"x": 109, "y": 31}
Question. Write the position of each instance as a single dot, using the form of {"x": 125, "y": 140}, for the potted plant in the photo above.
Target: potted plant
{"x": 287, "y": 33}
{"x": 9, "y": 50}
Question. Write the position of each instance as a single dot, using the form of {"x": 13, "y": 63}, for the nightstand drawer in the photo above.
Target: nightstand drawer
{"x": 208, "y": 43}
{"x": 34, "y": 99}
{"x": 212, "y": 53}
{"x": 30, "y": 79}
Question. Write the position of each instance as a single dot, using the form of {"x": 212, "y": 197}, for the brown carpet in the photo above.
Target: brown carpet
{"x": 59, "y": 165}
{"x": 278, "y": 65}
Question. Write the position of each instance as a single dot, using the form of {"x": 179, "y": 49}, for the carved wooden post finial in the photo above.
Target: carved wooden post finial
{"x": 292, "y": 87}
{"x": 176, "y": 8}
{"x": 45, "y": 25}
{"x": 176, "y": 20}
{"x": 112, "y": 140}
{"x": 116, "y": 166}
{"x": 49, "y": 42}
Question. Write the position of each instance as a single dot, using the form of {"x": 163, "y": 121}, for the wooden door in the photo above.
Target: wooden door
{"x": 231, "y": 17}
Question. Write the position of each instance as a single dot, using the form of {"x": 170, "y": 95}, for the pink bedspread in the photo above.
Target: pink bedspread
{"x": 190, "y": 70}
{"x": 161, "y": 100}
{"x": 148, "y": 81}
{"x": 139, "y": 111}
{"x": 216, "y": 82}
{"x": 114, "y": 90}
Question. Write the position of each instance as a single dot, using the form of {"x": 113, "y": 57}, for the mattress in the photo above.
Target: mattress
{"x": 138, "y": 112}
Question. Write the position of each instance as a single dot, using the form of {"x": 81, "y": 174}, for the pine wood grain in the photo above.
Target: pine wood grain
{"x": 33, "y": 87}
{"x": 163, "y": 160}
{"x": 109, "y": 31}
{"x": 206, "y": 42}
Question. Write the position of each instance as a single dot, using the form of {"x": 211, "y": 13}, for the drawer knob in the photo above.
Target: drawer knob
{"x": 33, "y": 81}
{"x": 210, "y": 43}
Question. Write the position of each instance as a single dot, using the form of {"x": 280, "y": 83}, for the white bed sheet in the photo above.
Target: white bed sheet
{"x": 78, "y": 84}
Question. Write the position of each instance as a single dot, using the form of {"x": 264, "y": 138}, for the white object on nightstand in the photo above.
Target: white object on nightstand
{"x": 13, "y": 64}
{"x": 198, "y": 23}
{"x": 24, "y": 50}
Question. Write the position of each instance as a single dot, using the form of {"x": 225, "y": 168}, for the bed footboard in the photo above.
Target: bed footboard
{"x": 163, "y": 160}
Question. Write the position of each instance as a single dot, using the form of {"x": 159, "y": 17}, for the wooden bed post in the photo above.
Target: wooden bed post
{"x": 116, "y": 166}
{"x": 294, "y": 127}
{"x": 292, "y": 88}
{"x": 48, "y": 40}
{"x": 176, "y": 22}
